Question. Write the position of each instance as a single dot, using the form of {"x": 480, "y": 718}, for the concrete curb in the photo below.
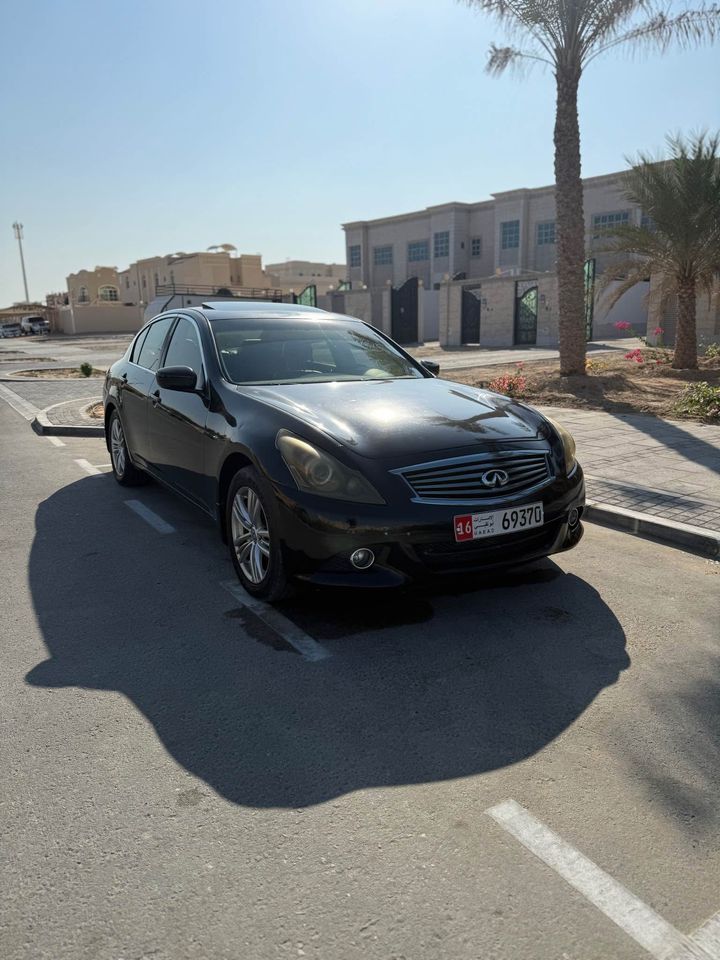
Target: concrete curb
{"x": 705, "y": 543}
{"x": 41, "y": 424}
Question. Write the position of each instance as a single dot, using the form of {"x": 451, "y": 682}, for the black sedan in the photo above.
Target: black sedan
{"x": 328, "y": 454}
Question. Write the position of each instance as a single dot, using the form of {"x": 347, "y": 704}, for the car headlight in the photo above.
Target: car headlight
{"x": 317, "y": 472}
{"x": 568, "y": 445}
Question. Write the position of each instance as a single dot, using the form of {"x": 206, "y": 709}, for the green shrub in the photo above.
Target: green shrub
{"x": 700, "y": 400}
{"x": 712, "y": 351}
{"x": 86, "y": 369}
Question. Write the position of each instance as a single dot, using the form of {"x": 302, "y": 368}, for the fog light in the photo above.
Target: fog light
{"x": 362, "y": 558}
{"x": 573, "y": 517}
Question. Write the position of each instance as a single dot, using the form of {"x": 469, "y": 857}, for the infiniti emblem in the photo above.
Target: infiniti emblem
{"x": 495, "y": 478}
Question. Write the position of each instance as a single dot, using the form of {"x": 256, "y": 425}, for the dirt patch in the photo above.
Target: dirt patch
{"x": 60, "y": 373}
{"x": 612, "y": 383}
{"x": 97, "y": 411}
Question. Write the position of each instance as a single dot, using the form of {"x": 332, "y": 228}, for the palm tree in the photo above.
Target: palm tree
{"x": 679, "y": 239}
{"x": 567, "y": 35}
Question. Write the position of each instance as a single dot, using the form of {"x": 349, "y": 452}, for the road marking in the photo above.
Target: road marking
{"x": 708, "y": 936}
{"x": 308, "y": 648}
{"x": 55, "y": 441}
{"x": 88, "y": 467}
{"x": 18, "y": 403}
{"x": 642, "y": 923}
{"x": 149, "y": 516}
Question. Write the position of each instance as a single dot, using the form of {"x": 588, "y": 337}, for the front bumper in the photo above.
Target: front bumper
{"x": 415, "y": 541}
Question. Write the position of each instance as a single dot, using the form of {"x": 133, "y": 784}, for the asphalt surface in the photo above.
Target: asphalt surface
{"x": 179, "y": 783}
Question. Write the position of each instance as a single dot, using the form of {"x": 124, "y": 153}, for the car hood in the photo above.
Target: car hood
{"x": 397, "y": 418}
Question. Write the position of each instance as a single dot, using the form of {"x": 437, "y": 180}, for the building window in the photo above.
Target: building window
{"x": 127, "y": 281}
{"x": 546, "y": 232}
{"x": 83, "y": 296}
{"x": 441, "y": 245}
{"x": 647, "y": 222}
{"x": 418, "y": 250}
{"x": 144, "y": 281}
{"x": 476, "y": 247}
{"x": 382, "y": 256}
{"x": 108, "y": 293}
{"x": 156, "y": 278}
{"x": 602, "y": 222}
{"x": 172, "y": 277}
{"x": 510, "y": 235}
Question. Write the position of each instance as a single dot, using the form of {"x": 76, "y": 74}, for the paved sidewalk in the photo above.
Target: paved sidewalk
{"x": 460, "y": 358}
{"x": 667, "y": 468}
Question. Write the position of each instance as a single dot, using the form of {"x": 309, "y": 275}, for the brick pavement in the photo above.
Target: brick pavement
{"x": 667, "y": 468}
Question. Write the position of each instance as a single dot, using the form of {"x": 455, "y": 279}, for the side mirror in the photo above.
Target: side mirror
{"x": 431, "y": 366}
{"x": 177, "y": 378}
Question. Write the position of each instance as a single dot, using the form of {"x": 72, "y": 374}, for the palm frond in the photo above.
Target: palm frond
{"x": 689, "y": 28}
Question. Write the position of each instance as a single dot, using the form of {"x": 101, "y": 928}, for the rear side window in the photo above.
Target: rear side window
{"x": 184, "y": 349}
{"x": 151, "y": 349}
{"x": 137, "y": 346}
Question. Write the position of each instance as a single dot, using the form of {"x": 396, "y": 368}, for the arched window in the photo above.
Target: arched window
{"x": 83, "y": 296}
{"x": 108, "y": 292}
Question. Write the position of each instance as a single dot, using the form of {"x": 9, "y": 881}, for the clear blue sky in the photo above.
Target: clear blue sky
{"x": 141, "y": 127}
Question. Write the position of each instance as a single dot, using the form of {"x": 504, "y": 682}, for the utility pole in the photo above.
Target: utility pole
{"x": 18, "y": 231}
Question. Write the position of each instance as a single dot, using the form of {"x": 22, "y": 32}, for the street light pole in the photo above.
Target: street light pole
{"x": 18, "y": 231}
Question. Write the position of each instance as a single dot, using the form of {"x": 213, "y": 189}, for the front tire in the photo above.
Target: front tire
{"x": 124, "y": 471}
{"x": 252, "y": 527}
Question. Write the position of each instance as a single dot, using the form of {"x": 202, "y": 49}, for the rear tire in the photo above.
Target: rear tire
{"x": 124, "y": 471}
{"x": 252, "y": 526}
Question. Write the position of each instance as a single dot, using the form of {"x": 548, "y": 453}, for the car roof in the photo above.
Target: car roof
{"x": 264, "y": 309}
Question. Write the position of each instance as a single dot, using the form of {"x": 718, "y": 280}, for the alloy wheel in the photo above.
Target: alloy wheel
{"x": 118, "y": 450}
{"x": 250, "y": 535}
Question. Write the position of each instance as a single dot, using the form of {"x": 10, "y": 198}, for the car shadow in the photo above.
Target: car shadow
{"x": 421, "y": 686}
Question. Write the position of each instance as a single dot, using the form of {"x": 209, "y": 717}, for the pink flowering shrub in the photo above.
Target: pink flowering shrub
{"x": 512, "y": 385}
{"x": 635, "y": 355}
{"x": 622, "y": 325}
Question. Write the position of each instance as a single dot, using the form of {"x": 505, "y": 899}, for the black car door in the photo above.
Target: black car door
{"x": 137, "y": 381}
{"x": 176, "y": 419}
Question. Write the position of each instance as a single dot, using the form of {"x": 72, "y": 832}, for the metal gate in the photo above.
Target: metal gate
{"x": 404, "y": 312}
{"x": 526, "y": 312}
{"x": 589, "y": 297}
{"x": 470, "y": 317}
{"x": 308, "y": 297}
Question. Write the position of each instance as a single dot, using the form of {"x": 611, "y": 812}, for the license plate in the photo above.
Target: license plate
{"x": 477, "y": 526}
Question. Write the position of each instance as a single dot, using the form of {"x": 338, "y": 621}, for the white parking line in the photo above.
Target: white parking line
{"x": 88, "y": 467}
{"x": 55, "y": 441}
{"x": 304, "y": 644}
{"x": 149, "y": 516}
{"x": 18, "y": 403}
{"x": 708, "y": 936}
{"x": 642, "y": 923}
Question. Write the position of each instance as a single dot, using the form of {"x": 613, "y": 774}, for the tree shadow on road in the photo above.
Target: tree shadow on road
{"x": 420, "y": 687}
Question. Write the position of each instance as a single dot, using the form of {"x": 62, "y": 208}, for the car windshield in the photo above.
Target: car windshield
{"x": 279, "y": 350}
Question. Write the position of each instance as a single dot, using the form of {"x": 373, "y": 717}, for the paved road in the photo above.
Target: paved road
{"x": 178, "y": 783}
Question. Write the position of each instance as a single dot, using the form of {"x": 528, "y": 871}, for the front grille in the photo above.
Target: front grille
{"x": 461, "y": 480}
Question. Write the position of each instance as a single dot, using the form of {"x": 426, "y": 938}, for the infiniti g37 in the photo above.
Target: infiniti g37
{"x": 328, "y": 454}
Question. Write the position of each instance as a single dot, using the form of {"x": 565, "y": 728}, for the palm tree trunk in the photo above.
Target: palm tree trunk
{"x": 570, "y": 223}
{"x": 686, "y": 334}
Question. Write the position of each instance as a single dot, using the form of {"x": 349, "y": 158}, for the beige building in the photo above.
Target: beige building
{"x": 511, "y": 235}
{"x": 295, "y": 275}
{"x": 94, "y": 286}
{"x": 206, "y": 272}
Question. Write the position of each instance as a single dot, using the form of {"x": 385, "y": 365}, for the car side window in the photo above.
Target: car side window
{"x": 137, "y": 346}
{"x": 151, "y": 350}
{"x": 184, "y": 349}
